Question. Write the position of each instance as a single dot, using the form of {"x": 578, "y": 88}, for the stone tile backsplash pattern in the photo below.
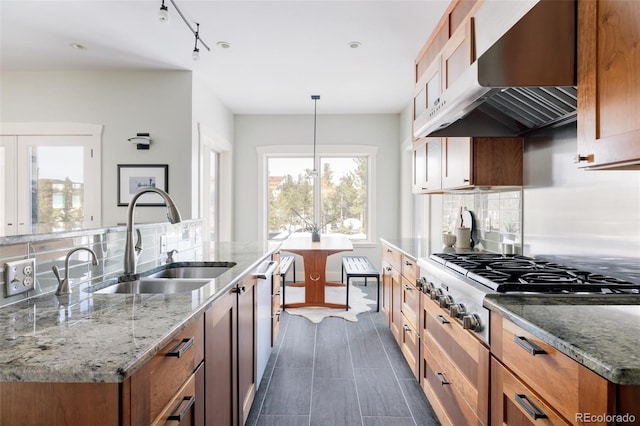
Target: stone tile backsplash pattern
{"x": 497, "y": 217}
{"x": 107, "y": 243}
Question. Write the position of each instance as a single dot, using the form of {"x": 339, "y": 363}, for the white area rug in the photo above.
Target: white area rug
{"x": 357, "y": 301}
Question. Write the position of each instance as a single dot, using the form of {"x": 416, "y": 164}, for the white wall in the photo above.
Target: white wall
{"x": 157, "y": 102}
{"x": 380, "y": 130}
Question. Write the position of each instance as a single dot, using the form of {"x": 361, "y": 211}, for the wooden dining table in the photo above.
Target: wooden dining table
{"x": 314, "y": 256}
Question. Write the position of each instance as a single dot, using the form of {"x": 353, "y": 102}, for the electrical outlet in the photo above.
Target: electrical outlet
{"x": 19, "y": 276}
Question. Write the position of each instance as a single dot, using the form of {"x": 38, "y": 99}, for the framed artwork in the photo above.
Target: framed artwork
{"x": 134, "y": 177}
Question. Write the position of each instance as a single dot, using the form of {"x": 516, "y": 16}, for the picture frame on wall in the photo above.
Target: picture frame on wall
{"x": 134, "y": 177}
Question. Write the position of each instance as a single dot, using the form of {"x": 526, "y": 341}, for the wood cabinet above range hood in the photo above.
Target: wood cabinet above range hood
{"x": 524, "y": 81}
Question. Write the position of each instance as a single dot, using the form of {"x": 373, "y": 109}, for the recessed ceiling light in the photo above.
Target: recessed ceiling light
{"x": 78, "y": 46}
{"x": 354, "y": 44}
{"x": 224, "y": 44}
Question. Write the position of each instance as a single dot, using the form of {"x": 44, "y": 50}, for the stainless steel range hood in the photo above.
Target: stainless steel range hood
{"x": 525, "y": 81}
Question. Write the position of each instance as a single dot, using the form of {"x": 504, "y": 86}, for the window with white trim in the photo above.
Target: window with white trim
{"x": 338, "y": 200}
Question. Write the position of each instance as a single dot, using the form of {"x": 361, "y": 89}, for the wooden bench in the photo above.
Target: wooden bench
{"x": 360, "y": 267}
{"x": 286, "y": 263}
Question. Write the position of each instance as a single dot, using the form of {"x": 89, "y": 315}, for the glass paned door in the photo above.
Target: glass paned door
{"x": 214, "y": 163}
{"x": 56, "y": 191}
{"x": 8, "y": 206}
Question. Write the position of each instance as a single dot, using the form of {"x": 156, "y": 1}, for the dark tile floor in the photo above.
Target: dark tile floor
{"x": 339, "y": 373}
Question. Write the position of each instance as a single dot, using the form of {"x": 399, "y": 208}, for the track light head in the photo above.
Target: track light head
{"x": 196, "y": 52}
{"x": 163, "y": 15}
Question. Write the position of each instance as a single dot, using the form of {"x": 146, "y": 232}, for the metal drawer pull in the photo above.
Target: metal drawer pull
{"x": 442, "y": 319}
{"x": 407, "y": 263}
{"x": 178, "y": 417}
{"x": 528, "y": 346}
{"x": 178, "y": 353}
{"x": 443, "y": 380}
{"x": 530, "y": 407}
{"x": 408, "y": 287}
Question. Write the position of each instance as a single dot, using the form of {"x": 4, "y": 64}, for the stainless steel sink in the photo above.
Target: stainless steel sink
{"x": 154, "y": 286}
{"x": 209, "y": 270}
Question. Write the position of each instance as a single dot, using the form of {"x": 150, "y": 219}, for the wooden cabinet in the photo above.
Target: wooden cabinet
{"x": 427, "y": 175}
{"x": 513, "y": 403}
{"x": 231, "y": 355}
{"x": 62, "y": 404}
{"x": 403, "y": 302}
{"x": 187, "y": 406}
{"x": 481, "y": 162}
{"x": 446, "y": 55}
{"x": 442, "y": 164}
{"x": 455, "y": 368}
{"x": 156, "y": 388}
{"x": 221, "y": 367}
{"x": 247, "y": 365}
{"x": 536, "y": 380}
{"x": 608, "y": 84}
{"x": 465, "y": 163}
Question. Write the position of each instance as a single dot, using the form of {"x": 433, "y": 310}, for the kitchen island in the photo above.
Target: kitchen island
{"x": 128, "y": 359}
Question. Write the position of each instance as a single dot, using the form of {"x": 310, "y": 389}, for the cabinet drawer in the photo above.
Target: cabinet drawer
{"x": 393, "y": 257}
{"x": 439, "y": 382}
{"x": 410, "y": 269}
{"x": 172, "y": 366}
{"x": 465, "y": 359}
{"x": 514, "y": 403}
{"x": 410, "y": 347}
{"x": 183, "y": 407}
{"x": 562, "y": 382}
{"x": 410, "y": 307}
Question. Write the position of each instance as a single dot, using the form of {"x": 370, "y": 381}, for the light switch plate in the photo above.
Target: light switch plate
{"x": 19, "y": 276}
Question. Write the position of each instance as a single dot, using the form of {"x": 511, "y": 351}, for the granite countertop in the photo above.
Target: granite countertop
{"x": 602, "y": 333}
{"x": 413, "y": 247}
{"x": 105, "y": 338}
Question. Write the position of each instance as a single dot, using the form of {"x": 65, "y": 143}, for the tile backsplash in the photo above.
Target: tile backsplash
{"x": 497, "y": 218}
{"x": 108, "y": 244}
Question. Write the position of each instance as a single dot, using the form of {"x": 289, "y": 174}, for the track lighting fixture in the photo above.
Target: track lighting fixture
{"x": 164, "y": 17}
{"x": 196, "y": 52}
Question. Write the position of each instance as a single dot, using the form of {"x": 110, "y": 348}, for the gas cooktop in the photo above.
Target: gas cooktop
{"x": 508, "y": 273}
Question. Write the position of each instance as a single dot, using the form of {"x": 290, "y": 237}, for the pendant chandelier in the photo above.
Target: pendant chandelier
{"x": 315, "y": 98}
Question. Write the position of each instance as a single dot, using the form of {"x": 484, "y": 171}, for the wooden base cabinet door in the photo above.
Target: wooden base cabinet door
{"x": 187, "y": 407}
{"x": 221, "y": 325}
{"x": 247, "y": 366}
{"x": 513, "y": 403}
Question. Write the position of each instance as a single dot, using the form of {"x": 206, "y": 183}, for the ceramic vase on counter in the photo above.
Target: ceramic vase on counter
{"x": 463, "y": 238}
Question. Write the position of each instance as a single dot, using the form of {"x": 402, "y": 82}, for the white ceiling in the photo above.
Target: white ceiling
{"x": 282, "y": 52}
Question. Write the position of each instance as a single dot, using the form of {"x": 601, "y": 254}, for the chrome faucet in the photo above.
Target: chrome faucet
{"x": 63, "y": 284}
{"x": 132, "y": 253}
